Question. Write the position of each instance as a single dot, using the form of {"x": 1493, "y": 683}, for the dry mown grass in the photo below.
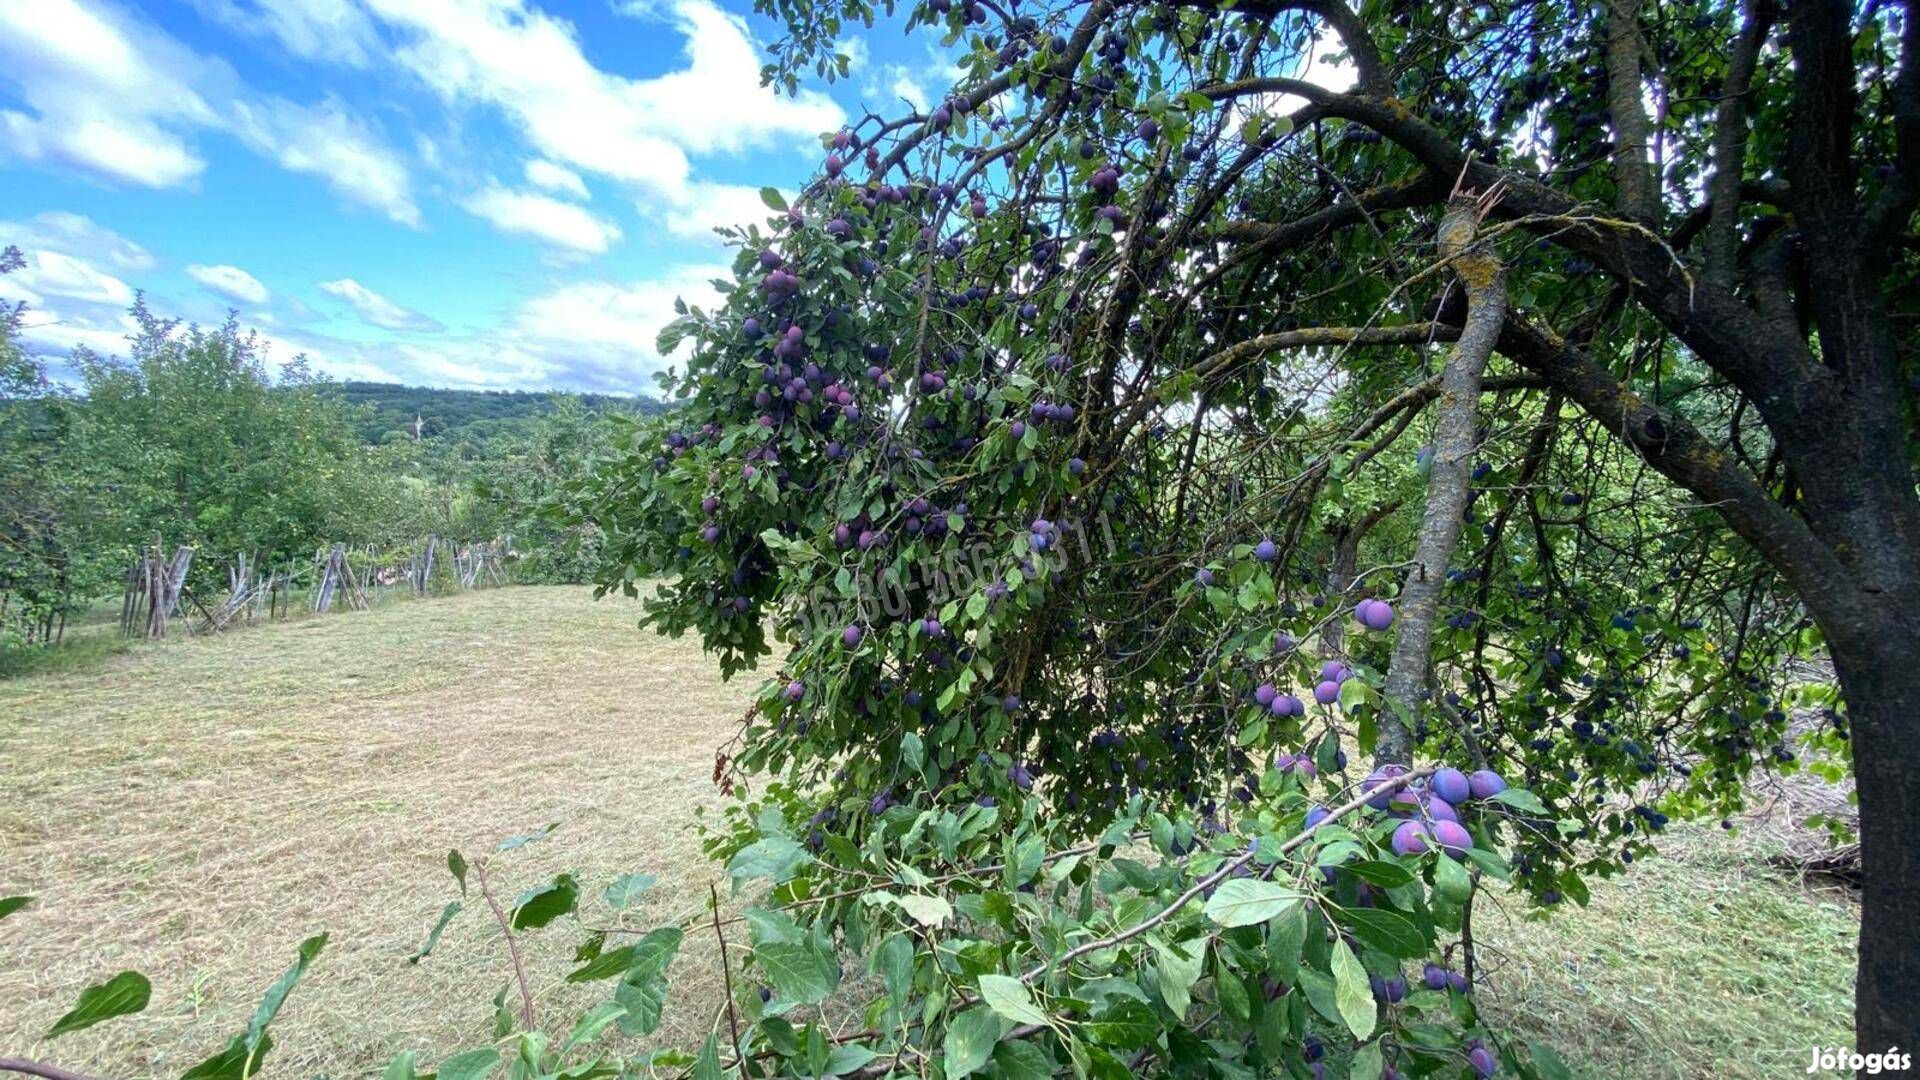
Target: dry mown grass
{"x": 194, "y": 809}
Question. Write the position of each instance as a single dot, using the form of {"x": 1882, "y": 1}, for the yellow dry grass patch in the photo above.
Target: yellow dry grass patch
{"x": 194, "y": 809}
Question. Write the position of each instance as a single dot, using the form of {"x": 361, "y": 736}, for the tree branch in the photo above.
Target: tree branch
{"x": 1484, "y": 281}
{"x": 1677, "y": 451}
{"x": 37, "y": 1068}
{"x": 1730, "y": 146}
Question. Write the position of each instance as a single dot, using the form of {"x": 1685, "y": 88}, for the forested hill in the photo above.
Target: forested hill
{"x": 386, "y": 411}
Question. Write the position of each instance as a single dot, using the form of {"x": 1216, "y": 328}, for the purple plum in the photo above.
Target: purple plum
{"x": 1452, "y": 837}
{"x": 1379, "y": 777}
{"x": 1410, "y": 838}
{"x": 1374, "y": 614}
{"x": 1451, "y": 785}
{"x": 1485, "y": 784}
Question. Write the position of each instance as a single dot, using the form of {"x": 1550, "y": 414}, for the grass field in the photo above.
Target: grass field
{"x": 194, "y": 808}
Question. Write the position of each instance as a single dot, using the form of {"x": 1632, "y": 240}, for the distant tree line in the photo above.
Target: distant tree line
{"x": 191, "y": 439}
{"x": 387, "y": 412}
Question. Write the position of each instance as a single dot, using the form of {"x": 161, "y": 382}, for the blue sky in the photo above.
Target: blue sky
{"x": 473, "y": 193}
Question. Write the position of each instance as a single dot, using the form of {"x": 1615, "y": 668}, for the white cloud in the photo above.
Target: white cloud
{"x": 323, "y": 140}
{"x": 639, "y": 131}
{"x": 706, "y": 205}
{"x": 332, "y": 30}
{"x": 855, "y": 49}
{"x": 230, "y": 282}
{"x": 53, "y": 275}
{"x": 898, "y": 82}
{"x": 601, "y": 333}
{"x": 545, "y": 174}
{"x": 560, "y": 223}
{"x": 118, "y": 98}
{"x": 595, "y": 335}
{"x": 107, "y": 96}
{"x": 48, "y": 333}
{"x": 377, "y": 310}
{"x": 77, "y": 234}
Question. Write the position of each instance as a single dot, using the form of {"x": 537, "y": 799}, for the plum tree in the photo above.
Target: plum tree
{"x": 1227, "y": 320}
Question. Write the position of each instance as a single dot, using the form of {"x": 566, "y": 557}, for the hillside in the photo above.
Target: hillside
{"x": 389, "y": 409}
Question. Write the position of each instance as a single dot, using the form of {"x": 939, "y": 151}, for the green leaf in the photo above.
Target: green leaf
{"x": 1384, "y": 874}
{"x": 1248, "y": 901}
{"x": 1549, "y": 1063}
{"x": 595, "y": 1022}
{"x": 1450, "y": 881}
{"x": 538, "y": 907}
{"x": 772, "y": 197}
{"x": 1520, "y": 799}
{"x": 1021, "y": 1060}
{"x": 643, "y": 988}
{"x": 627, "y": 889}
{"x": 1010, "y": 998}
{"x": 926, "y": 909}
{"x": 969, "y": 1041}
{"x": 469, "y": 1065}
{"x": 644, "y": 999}
{"x": 650, "y": 955}
{"x": 1351, "y": 991}
{"x": 707, "y": 1065}
{"x": 1393, "y": 934}
{"x": 514, "y": 842}
{"x": 439, "y": 927}
{"x": 11, "y": 904}
{"x": 1178, "y": 973}
{"x": 233, "y": 1062}
{"x": 1320, "y": 993}
{"x": 604, "y": 966}
{"x": 847, "y": 1057}
{"x": 1353, "y": 694}
{"x": 775, "y": 857}
{"x": 1367, "y": 1063}
{"x": 276, "y": 995}
{"x": 401, "y": 1067}
{"x": 122, "y": 995}
{"x": 457, "y": 866}
{"x": 799, "y": 972}
{"x": 1128, "y": 1025}
{"x": 1285, "y": 938}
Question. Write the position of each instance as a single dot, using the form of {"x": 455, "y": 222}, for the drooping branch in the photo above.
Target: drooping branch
{"x": 1484, "y": 281}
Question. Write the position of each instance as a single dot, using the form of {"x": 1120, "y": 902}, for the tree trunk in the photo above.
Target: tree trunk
{"x": 1880, "y": 677}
